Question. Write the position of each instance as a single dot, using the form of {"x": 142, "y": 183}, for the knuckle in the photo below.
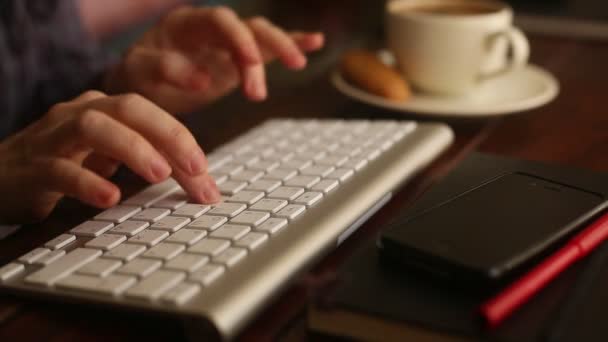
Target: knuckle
{"x": 86, "y": 122}
{"x": 90, "y": 94}
{"x": 58, "y": 110}
{"x": 258, "y": 21}
{"x": 179, "y": 132}
{"x": 126, "y": 103}
{"x": 223, "y": 12}
{"x": 55, "y": 167}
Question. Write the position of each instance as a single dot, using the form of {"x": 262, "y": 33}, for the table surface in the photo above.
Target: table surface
{"x": 572, "y": 130}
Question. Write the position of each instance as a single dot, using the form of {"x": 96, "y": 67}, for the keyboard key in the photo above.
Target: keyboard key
{"x": 100, "y": 267}
{"x": 291, "y": 211}
{"x": 91, "y": 228}
{"x": 296, "y": 164}
{"x": 149, "y": 237}
{"x": 60, "y": 241}
{"x": 356, "y": 164}
{"x": 151, "y": 214}
{"x": 269, "y": 205}
{"x": 247, "y": 176}
{"x": 229, "y": 168}
{"x": 10, "y": 270}
{"x": 286, "y": 192}
{"x": 318, "y": 170}
{"x": 303, "y": 181}
{"x": 191, "y": 211}
{"x": 33, "y": 255}
{"x": 209, "y": 246}
{"x": 164, "y": 251}
{"x": 230, "y": 232}
{"x": 50, "y": 257}
{"x": 264, "y": 165}
{"x": 208, "y": 222}
{"x": 129, "y": 228}
{"x": 118, "y": 214}
{"x": 111, "y": 285}
{"x": 281, "y": 174}
{"x": 325, "y": 186}
{"x": 246, "y": 197}
{"x": 106, "y": 241}
{"x": 219, "y": 178}
{"x": 125, "y": 252}
{"x": 265, "y": 185}
{"x": 187, "y": 236}
{"x": 309, "y": 198}
{"x": 140, "y": 267}
{"x": 333, "y": 160}
{"x": 171, "y": 223}
{"x": 207, "y": 274}
{"x": 227, "y": 209}
{"x": 153, "y": 193}
{"x": 173, "y": 201}
{"x": 250, "y": 218}
{"x": 272, "y": 225}
{"x": 341, "y": 174}
{"x": 187, "y": 262}
{"x": 252, "y": 240}
{"x": 247, "y": 158}
{"x": 181, "y": 293}
{"x": 62, "y": 267}
{"x": 230, "y": 188}
{"x": 154, "y": 285}
{"x": 230, "y": 256}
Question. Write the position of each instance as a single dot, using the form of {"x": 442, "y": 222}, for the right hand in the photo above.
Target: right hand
{"x": 70, "y": 150}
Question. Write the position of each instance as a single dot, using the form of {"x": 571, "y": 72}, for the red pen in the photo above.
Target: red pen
{"x": 502, "y": 305}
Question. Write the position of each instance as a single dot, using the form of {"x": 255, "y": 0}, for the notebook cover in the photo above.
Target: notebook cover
{"x": 370, "y": 286}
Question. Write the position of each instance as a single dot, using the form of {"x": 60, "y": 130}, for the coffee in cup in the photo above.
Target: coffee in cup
{"x": 450, "y": 46}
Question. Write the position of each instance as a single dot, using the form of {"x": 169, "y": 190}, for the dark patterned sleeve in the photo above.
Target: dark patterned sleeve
{"x": 45, "y": 57}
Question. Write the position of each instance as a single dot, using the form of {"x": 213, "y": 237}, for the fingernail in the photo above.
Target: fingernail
{"x": 211, "y": 192}
{"x": 198, "y": 163}
{"x": 259, "y": 89}
{"x": 160, "y": 169}
{"x": 105, "y": 195}
{"x": 299, "y": 61}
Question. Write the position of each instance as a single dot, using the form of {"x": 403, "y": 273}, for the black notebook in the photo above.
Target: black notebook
{"x": 374, "y": 299}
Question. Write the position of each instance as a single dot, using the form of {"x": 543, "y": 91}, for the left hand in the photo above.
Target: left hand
{"x": 197, "y": 54}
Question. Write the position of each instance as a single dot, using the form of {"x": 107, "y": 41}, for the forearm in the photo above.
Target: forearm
{"x": 104, "y": 18}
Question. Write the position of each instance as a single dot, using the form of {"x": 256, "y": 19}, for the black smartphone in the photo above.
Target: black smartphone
{"x": 487, "y": 232}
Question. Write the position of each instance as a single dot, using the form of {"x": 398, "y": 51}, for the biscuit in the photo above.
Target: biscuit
{"x": 364, "y": 70}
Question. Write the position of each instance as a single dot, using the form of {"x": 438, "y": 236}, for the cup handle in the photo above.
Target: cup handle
{"x": 518, "y": 51}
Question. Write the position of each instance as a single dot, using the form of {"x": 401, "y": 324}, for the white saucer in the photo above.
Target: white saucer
{"x": 517, "y": 91}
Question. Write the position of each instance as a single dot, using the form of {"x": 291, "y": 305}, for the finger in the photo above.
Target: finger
{"x": 233, "y": 32}
{"x": 108, "y": 137}
{"x": 277, "y": 42}
{"x": 67, "y": 177}
{"x": 87, "y": 96}
{"x": 101, "y": 165}
{"x": 158, "y": 127}
{"x": 201, "y": 188}
{"x": 167, "y": 66}
{"x": 254, "y": 82}
{"x": 308, "y": 42}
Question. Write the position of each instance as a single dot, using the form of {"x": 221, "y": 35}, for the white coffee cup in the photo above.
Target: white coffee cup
{"x": 451, "y": 46}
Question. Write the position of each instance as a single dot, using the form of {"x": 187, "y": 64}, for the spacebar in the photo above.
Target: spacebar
{"x": 63, "y": 266}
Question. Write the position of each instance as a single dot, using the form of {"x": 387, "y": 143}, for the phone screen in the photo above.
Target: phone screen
{"x": 495, "y": 226}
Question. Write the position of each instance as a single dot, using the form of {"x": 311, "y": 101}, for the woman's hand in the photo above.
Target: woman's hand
{"x": 198, "y": 54}
{"x": 78, "y": 143}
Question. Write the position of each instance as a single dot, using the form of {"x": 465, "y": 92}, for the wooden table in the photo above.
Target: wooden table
{"x": 572, "y": 130}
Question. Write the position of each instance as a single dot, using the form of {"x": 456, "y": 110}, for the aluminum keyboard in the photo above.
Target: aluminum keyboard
{"x": 220, "y": 263}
